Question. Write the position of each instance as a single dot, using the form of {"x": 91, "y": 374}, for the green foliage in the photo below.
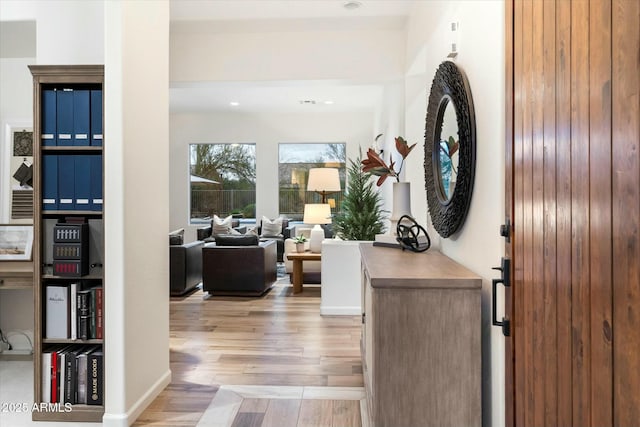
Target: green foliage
{"x": 231, "y": 165}
{"x": 362, "y": 215}
{"x": 249, "y": 211}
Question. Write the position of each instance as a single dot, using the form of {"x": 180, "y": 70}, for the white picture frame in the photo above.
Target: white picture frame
{"x": 16, "y": 242}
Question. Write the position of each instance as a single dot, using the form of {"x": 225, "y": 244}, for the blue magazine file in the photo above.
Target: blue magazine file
{"x": 64, "y": 100}
{"x": 81, "y": 113}
{"x": 66, "y": 182}
{"x": 83, "y": 182}
{"x": 49, "y": 182}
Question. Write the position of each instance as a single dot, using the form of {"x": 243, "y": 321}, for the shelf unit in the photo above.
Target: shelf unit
{"x": 61, "y": 77}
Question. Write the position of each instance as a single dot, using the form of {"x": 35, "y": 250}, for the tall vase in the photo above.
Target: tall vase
{"x": 401, "y": 203}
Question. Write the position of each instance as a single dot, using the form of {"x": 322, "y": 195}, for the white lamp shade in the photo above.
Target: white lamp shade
{"x": 317, "y": 213}
{"x": 323, "y": 179}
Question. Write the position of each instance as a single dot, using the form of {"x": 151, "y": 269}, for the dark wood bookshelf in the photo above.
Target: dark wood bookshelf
{"x": 61, "y": 77}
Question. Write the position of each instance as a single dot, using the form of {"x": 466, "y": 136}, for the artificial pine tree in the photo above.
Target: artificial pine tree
{"x": 362, "y": 216}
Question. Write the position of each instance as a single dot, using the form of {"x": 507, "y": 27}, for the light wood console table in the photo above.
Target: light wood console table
{"x": 421, "y": 347}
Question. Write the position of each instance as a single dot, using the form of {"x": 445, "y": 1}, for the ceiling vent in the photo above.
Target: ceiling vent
{"x": 352, "y": 4}
{"x": 307, "y": 102}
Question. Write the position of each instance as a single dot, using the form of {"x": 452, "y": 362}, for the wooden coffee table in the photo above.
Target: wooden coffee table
{"x": 297, "y": 258}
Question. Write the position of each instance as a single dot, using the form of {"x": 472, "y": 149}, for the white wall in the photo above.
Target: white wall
{"x": 390, "y": 122}
{"x": 266, "y": 130}
{"x": 68, "y": 31}
{"x": 136, "y": 124}
{"x": 16, "y": 110}
{"x": 285, "y": 55}
{"x": 136, "y": 197}
{"x": 478, "y": 245}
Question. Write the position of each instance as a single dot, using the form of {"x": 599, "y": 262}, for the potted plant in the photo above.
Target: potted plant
{"x": 299, "y": 241}
{"x": 362, "y": 215}
{"x": 375, "y": 165}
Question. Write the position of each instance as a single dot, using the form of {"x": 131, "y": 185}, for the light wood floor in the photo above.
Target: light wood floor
{"x": 277, "y": 340}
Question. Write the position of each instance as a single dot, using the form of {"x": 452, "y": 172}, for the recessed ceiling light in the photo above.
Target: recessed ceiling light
{"x": 234, "y": 103}
{"x": 352, "y": 4}
{"x": 328, "y": 102}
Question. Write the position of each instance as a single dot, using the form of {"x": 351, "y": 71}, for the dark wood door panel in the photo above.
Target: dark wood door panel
{"x": 600, "y": 244}
{"x": 626, "y": 210}
{"x": 573, "y": 180}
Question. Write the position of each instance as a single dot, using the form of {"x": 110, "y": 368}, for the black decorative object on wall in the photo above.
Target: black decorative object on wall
{"x": 448, "y": 206}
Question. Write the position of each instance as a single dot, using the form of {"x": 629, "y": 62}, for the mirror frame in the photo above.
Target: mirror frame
{"x": 450, "y": 82}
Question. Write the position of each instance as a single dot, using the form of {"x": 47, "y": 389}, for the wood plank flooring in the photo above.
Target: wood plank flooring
{"x": 277, "y": 340}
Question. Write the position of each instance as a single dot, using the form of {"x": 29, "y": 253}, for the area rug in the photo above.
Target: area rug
{"x": 281, "y": 271}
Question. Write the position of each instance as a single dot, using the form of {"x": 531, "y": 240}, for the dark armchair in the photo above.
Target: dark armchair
{"x": 238, "y": 265}
{"x": 185, "y": 264}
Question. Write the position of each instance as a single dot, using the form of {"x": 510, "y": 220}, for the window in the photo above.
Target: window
{"x": 222, "y": 181}
{"x": 295, "y": 160}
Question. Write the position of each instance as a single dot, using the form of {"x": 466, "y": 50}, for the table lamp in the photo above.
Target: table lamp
{"x": 323, "y": 181}
{"x": 316, "y": 213}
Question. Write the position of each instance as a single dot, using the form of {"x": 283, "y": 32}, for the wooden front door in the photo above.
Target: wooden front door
{"x": 573, "y": 198}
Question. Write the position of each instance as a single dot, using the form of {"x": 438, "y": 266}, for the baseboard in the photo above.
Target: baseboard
{"x": 340, "y": 311}
{"x": 128, "y": 418}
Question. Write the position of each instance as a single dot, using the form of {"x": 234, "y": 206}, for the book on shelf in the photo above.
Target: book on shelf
{"x": 95, "y": 313}
{"x": 99, "y": 313}
{"x": 82, "y": 366}
{"x": 54, "y": 377}
{"x": 61, "y": 372}
{"x": 73, "y": 310}
{"x": 84, "y": 314}
{"x": 73, "y": 374}
{"x": 62, "y": 375}
{"x": 95, "y": 378}
{"x": 57, "y": 312}
{"x": 46, "y": 377}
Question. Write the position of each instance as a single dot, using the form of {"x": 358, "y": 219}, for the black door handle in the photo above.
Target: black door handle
{"x": 505, "y": 268}
{"x": 505, "y": 324}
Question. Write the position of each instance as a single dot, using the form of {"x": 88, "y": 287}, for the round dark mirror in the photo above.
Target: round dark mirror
{"x": 450, "y": 148}
{"x": 448, "y": 155}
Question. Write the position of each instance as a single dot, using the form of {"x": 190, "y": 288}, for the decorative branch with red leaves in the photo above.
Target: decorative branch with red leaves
{"x": 375, "y": 165}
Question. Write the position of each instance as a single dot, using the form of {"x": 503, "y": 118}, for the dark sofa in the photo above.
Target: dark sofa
{"x": 205, "y": 233}
{"x": 185, "y": 267}
{"x": 238, "y": 265}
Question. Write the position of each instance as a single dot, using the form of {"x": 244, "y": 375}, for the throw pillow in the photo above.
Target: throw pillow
{"x": 176, "y": 237}
{"x": 233, "y": 240}
{"x": 271, "y": 228}
{"x": 222, "y": 226}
